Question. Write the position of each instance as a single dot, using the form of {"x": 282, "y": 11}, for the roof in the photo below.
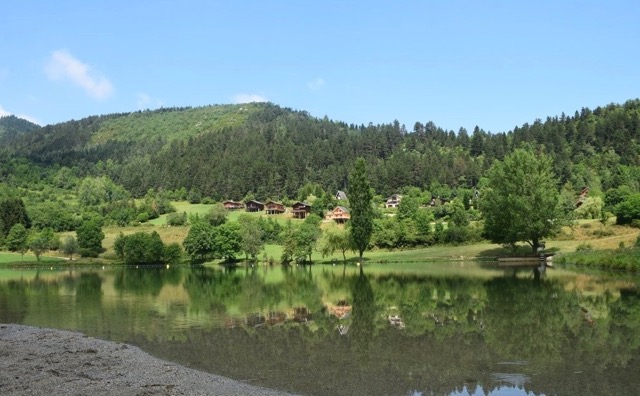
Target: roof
{"x": 341, "y": 195}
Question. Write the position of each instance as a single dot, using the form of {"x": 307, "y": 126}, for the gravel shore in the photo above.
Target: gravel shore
{"x": 37, "y": 361}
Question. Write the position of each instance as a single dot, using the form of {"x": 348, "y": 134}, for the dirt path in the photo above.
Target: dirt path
{"x": 36, "y": 361}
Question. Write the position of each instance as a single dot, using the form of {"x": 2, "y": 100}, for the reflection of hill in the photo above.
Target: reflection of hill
{"x": 457, "y": 330}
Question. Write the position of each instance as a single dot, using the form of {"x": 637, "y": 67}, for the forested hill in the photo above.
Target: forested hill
{"x": 229, "y": 151}
{"x": 12, "y": 127}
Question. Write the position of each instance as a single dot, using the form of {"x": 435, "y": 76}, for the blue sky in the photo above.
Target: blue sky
{"x": 495, "y": 64}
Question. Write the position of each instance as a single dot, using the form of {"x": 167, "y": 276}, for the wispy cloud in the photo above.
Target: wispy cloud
{"x": 248, "y": 98}
{"x": 145, "y": 101}
{"x": 62, "y": 66}
{"x": 4, "y": 112}
{"x": 316, "y": 84}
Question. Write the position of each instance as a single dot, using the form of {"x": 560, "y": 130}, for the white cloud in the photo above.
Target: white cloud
{"x": 316, "y": 84}
{"x": 145, "y": 101}
{"x": 63, "y": 66}
{"x": 248, "y": 98}
{"x": 4, "y": 112}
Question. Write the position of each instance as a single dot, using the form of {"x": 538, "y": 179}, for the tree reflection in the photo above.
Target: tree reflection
{"x": 363, "y": 313}
{"x": 145, "y": 280}
{"x": 14, "y": 302}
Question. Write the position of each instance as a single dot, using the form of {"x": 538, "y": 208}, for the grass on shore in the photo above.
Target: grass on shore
{"x": 598, "y": 236}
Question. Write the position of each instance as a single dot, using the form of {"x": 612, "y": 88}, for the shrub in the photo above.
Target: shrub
{"x": 584, "y": 247}
{"x": 177, "y": 219}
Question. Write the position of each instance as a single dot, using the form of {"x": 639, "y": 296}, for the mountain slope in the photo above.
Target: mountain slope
{"x": 12, "y": 127}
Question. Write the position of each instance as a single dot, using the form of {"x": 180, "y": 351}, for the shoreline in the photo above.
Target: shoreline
{"x": 43, "y": 361}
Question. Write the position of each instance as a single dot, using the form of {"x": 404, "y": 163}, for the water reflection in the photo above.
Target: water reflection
{"x": 316, "y": 330}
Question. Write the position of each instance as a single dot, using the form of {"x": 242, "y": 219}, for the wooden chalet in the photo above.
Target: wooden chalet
{"x": 393, "y": 201}
{"x": 233, "y": 205}
{"x": 340, "y": 214}
{"x": 254, "y": 206}
{"x": 273, "y": 207}
{"x": 301, "y": 210}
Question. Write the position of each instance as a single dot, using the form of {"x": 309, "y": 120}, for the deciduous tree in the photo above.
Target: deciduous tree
{"x": 522, "y": 200}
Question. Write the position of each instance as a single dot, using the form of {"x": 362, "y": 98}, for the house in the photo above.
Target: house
{"x": 341, "y": 196}
{"x": 439, "y": 201}
{"x": 233, "y": 205}
{"x": 272, "y": 207}
{"x": 254, "y": 206}
{"x": 301, "y": 210}
{"x": 582, "y": 197}
{"x": 340, "y": 214}
{"x": 393, "y": 201}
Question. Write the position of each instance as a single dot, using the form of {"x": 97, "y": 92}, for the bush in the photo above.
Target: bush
{"x": 628, "y": 210}
{"x": 177, "y": 219}
{"x": 142, "y": 217}
{"x": 86, "y": 252}
{"x": 584, "y": 247}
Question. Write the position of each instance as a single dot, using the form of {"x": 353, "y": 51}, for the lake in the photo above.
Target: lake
{"x": 454, "y": 328}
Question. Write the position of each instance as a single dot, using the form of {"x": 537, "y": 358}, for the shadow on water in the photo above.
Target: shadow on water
{"x": 326, "y": 330}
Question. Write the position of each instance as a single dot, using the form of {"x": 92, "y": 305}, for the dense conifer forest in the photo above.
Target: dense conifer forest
{"x": 266, "y": 151}
{"x": 126, "y": 169}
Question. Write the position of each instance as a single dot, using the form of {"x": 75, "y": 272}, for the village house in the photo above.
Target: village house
{"x": 254, "y": 206}
{"x": 272, "y": 207}
{"x": 233, "y": 205}
{"x": 341, "y": 196}
{"x": 340, "y": 214}
{"x": 393, "y": 201}
{"x": 301, "y": 210}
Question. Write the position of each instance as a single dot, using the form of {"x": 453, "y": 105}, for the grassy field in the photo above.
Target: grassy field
{"x": 8, "y": 257}
{"x": 583, "y": 233}
{"x": 590, "y": 232}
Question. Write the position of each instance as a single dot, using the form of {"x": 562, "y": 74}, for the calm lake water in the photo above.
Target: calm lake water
{"x": 397, "y": 329}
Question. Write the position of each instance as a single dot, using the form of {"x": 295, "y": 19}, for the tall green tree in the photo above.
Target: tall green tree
{"x": 90, "y": 236}
{"x": 199, "y": 242}
{"x": 251, "y": 235}
{"x": 361, "y": 209}
{"x": 522, "y": 200}
{"x": 38, "y": 243}
{"x": 17, "y": 239}
{"x": 12, "y": 212}
{"x": 70, "y": 246}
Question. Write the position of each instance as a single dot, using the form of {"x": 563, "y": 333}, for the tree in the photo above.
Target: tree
{"x": 227, "y": 241}
{"x": 307, "y": 237}
{"x": 408, "y": 208}
{"x": 143, "y": 248}
{"x": 38, "y": 243}
{"x": 12, "y": 211}
{"x": 522, "y": 200}
{"x": 334, "y": 239}
{"x": 217, "y": 215}
{"x": 17, "y": 239}
{"x": 90, "y": 237}
{"x": 251, "y": 236}
{"x": 628, "y": 210}
{"x": 199, "y": 241}
{"x": 70, "y": 246}
{"x": 361, "y": 210}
